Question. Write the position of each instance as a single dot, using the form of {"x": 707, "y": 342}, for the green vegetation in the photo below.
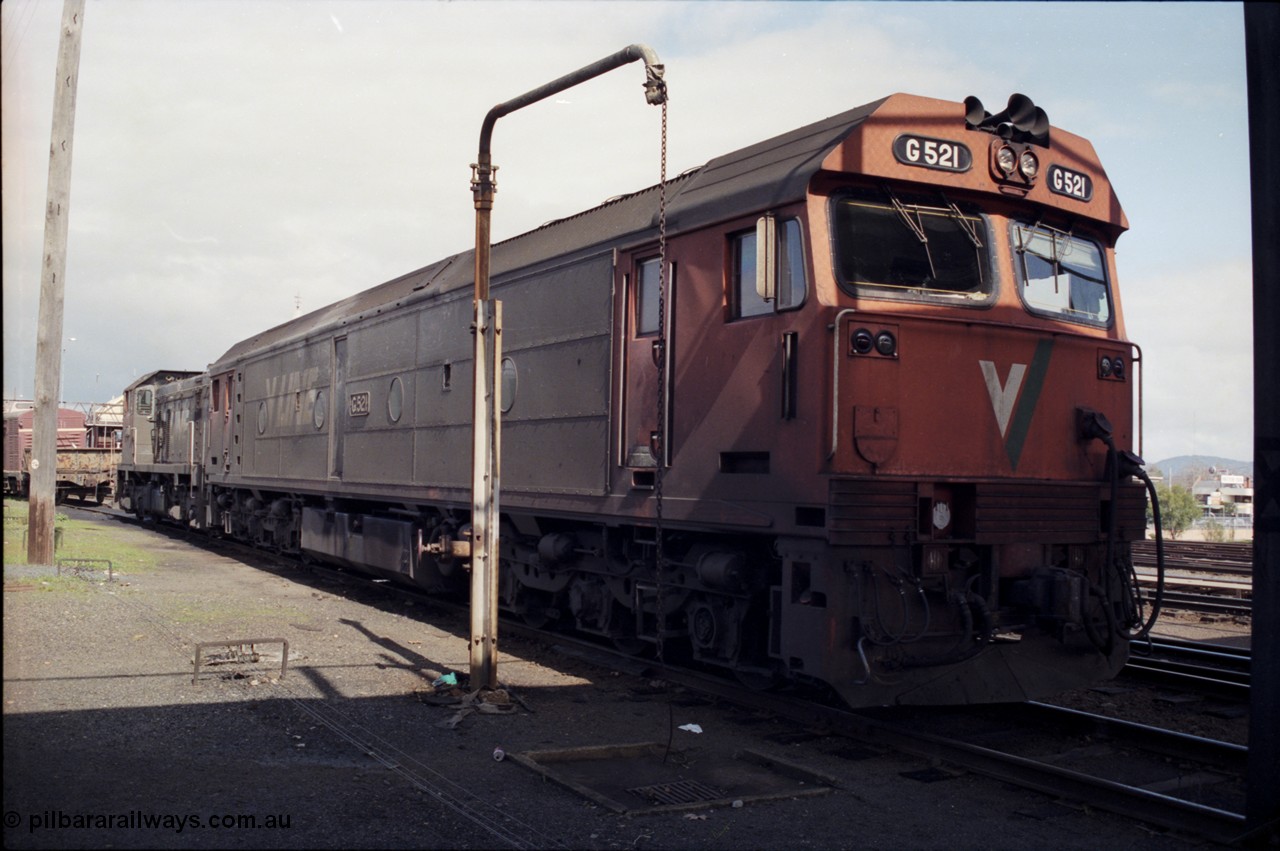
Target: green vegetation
{"x": 75, "y": 539}
{"x": 1178, "y": 510}
{"x": 1214, "y": 531}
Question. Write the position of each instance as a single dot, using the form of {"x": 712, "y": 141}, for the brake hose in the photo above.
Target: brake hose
{"x": 1132, "y": 461}
{"x": 1093, "y": 425}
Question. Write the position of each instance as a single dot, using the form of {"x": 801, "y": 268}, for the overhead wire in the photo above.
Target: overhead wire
{"x": 25, "y": 16}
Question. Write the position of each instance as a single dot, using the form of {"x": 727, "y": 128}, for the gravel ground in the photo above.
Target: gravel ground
{"x": 108, "y": 743}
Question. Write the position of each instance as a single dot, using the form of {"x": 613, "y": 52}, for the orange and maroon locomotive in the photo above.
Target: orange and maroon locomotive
{"x": 870, "y": 390}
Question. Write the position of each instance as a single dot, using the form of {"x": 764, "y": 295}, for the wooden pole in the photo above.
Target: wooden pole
{"x": 44, "y": 427}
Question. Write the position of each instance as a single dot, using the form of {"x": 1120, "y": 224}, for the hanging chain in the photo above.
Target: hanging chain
{"x": 663, "y": 437}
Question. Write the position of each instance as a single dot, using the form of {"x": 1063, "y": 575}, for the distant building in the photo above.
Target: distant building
{"x": 104, "y": 421}
{"x": 1225, "y": 495}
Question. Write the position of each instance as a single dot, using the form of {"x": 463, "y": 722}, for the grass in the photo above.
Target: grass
{"x": 80, "y": 539}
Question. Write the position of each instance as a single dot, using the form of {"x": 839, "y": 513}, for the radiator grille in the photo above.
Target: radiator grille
{"x": 870, "y": 512}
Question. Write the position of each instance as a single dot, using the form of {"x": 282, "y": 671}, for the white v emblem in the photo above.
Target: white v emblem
{"x": 1003, "y": 397}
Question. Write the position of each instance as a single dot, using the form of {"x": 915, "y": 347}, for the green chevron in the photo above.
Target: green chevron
{"x": 1034, "y": 383}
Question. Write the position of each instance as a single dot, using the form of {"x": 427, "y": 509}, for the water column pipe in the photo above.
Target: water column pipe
{"x": 487, "y": 402}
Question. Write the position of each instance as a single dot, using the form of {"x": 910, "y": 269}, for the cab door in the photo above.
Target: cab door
{"x": 644, "y": 441}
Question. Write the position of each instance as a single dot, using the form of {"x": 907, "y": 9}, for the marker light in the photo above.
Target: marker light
{"x": 862, "y": 341}
{"x": 1112, "y": 367}
{"x": 1029, "y": 165}
{"x": 1006, "y": 159}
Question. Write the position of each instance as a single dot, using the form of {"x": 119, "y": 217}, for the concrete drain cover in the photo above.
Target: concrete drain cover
{"x": 647, "y": 778}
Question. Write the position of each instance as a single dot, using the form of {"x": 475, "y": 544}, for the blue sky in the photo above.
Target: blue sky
{"x": 234, "y": 159}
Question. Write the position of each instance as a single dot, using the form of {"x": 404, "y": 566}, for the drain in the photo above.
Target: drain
{"x": 679, "y": 792}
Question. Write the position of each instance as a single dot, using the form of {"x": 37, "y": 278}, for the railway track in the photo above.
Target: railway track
{"x": 1208, "y": 604}
{"x": 1227, "y": 558}
{"x": 1197, "y": 666}
{"x": 1163, "y": 777}
{"x": 1208, "y": 578}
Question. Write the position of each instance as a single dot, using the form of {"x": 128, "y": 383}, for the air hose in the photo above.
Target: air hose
{"x": 1094, "y": 425}
{"x": 1133, "y": 465}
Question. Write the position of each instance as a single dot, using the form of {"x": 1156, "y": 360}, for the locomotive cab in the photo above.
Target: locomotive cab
{"x": 972, "y": 523}
{"x": 155, "y": 465}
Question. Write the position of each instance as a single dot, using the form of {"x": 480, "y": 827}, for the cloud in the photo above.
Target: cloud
{"x": 1195, "y": 328}
{"x": 231, "y": 156}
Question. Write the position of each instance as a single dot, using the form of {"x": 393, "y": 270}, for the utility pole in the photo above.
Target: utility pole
{"x": 44, "y": 426}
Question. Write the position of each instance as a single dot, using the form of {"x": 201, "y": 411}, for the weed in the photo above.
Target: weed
{"x": 76, "y": 539}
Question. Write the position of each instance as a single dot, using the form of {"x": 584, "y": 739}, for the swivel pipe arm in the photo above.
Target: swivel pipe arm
{"x": 483, "y": 185}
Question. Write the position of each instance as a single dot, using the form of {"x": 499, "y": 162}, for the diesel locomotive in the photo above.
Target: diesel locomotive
{"x": 862, "y": 416}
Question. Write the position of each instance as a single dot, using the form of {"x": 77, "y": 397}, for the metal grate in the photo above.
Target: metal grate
{"x": 237, "y": 653}
{"x": 679, "y": 792}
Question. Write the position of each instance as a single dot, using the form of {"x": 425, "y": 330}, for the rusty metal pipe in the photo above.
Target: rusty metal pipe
{"x": 483, "y": 186}
{"x": 629, "y": 54}
{"x": 487, "y": 388}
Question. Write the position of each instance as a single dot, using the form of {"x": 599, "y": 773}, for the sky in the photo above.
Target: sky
{"x": 236, "y": 162}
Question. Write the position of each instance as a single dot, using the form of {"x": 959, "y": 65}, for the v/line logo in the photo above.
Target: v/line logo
{"x": 1013, "y": 401}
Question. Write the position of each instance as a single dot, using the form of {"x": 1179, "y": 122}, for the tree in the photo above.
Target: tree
{"x": 1214, "y": 531}
{"x": 1178, "y": 510}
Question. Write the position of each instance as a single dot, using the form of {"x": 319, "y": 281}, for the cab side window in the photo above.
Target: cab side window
{"x": 745, "y": 294}
{"x": 791, "y": 282}
{"x": 647, "y": 317}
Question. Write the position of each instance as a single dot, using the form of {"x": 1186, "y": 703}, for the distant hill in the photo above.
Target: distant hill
{"x": 1186, "y": 469}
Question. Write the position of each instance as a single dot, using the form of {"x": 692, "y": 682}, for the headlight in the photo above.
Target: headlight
{"x": 1029, "y": 165}
{"x": 862, "y": 341}
{"x": 1006, "y": 159}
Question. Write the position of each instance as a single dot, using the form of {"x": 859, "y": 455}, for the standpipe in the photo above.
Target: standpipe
{"x": 487, "y": 328}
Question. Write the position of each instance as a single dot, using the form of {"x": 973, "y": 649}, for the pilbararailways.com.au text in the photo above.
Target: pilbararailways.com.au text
{"x": 142, "y": 820}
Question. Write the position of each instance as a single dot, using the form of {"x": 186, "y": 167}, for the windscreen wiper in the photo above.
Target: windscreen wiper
{"x": 915, "y": 226}
{"x": 970, "y": 227}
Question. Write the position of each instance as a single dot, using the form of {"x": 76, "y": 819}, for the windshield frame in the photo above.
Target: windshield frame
{"x": 910, "y": 206}
{"x": 1064, "y": 274}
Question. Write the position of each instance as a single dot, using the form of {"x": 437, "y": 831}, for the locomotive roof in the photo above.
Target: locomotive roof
{"x": 162, "y": 376}
{"x": 768, "y": 173}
